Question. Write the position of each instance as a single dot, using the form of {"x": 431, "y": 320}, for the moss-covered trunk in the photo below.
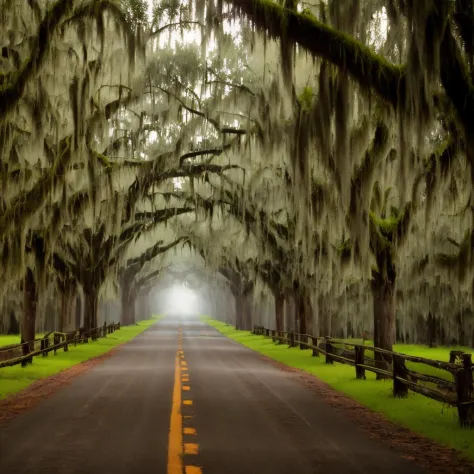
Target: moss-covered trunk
{"x": 383, "y": 293}
{"x": 127, "y": 316}
{"x": 431, "y": 330}
{"x": 28, "y": 321}
{"x": 248, "y": 318}
{"x": 78, "y": 315}
{"x": 90, "y": 309}
{"x": 384, "y": 315}
{"x": 303, "y": 310}
{"x": 279, "y": 311}
{"x": 66, "y": 305}
{"x": 14, "y": 325}
{"x": 324, "y": 317}
{"x": 62, "y": 312}
{"x": 239, "y": 310}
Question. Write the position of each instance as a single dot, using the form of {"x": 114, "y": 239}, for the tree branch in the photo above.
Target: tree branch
{"x": 152, "y": 252}
{"x": 370, "y": 70}
{"x": 157, "y": 32}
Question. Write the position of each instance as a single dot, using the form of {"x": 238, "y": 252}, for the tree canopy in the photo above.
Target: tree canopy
{"x": 316, "y": 155}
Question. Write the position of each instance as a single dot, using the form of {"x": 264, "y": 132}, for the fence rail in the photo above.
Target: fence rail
{"x": 23, "y": 353}
{"x": 458, "y": 392}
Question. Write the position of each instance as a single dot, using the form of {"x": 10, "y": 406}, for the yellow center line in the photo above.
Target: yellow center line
{"x": 176, "y": 447}
{"x": 175, "y": 439}
{"x": 193, "y": 470}
{"x": 191, "y": 448}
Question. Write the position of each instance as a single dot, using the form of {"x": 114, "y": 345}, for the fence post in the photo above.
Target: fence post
{"x": 291, "y": 341}
{"x": 314, "y": 342}
{"x": 105, "y": 329}
{"x": 464, "y": 390}
{"x": 44, "y": 345}
{"x": 359, "y": 360}
{"x": 25, "y": 347}
{"x": 267, "y": 332}
{"x": 66, "y": 340}
{"x": 400, "y": 389}
{"x": 329, "y": 359}
{"x": 303, "y": 339}
{"x": 55, "y": 342}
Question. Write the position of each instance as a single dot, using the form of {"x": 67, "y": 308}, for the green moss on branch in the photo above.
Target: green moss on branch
{"x": 370, "y": 70}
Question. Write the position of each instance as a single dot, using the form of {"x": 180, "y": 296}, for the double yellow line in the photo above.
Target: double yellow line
{"x": 177, "y": 448}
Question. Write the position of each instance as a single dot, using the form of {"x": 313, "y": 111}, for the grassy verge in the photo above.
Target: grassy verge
{"x": 435, "y": 353}
{"x": 16, "y": 378}
{"x": 420, "y": 414}
{"x": 8, "y": 340}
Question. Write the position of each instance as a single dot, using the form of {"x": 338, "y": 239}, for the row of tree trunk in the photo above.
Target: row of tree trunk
{"x": 302, "y": 320}
{"x": 70, "y": 308}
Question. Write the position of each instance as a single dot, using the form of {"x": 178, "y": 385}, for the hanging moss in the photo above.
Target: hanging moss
{"x": 306, "y": 98}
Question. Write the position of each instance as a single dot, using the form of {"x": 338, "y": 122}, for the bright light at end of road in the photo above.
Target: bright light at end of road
{"x": 181, "y": 300}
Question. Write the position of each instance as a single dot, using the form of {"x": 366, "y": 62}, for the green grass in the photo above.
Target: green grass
{"x": 16, "y": 378}
{"x": 435, "y": 353}
{"x": 418, "y": 413}
{"x": 14, "y": 339}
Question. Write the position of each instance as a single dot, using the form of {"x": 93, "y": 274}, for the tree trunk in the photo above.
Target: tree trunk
{"x": 145, "y": 310}
{"x": 324, "y": 317}
{"x": 383, "y": 292}
{"x": 64, "y": 310}
{"x": 279, "y": 309}
{"x": 29, "y": 311}
{"x": 78, "y": 316}
{"x": 90, "y": 309}
{"x": 290, "y": 311}
{"x": 431, "y": 323}
{"x": 71, "y": 311}
{"x": 248, "y": 312}
{"x": 239, "y": 311}
{"x": 14, "y": 327}
{"x": 311, "y": 326}
{"x": 128, "y": 317}
{"x": 304, "y": 311}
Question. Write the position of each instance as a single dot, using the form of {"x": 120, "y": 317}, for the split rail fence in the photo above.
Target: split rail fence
{"x": 23, "y": 353}
{"x": 457, "y": 392}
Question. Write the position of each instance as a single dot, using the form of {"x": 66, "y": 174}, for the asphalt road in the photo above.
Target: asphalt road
{"x": 238, "y": 415}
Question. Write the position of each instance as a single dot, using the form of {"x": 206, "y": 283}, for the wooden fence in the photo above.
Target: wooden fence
{"x": 399, "y": 367}
{"x": 23, "y": 353}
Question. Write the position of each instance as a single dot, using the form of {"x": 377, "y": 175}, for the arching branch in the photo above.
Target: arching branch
{"x": 13, "y": 91}
{"x": 370, "y": 70}
{"x": 154, "y": 251}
